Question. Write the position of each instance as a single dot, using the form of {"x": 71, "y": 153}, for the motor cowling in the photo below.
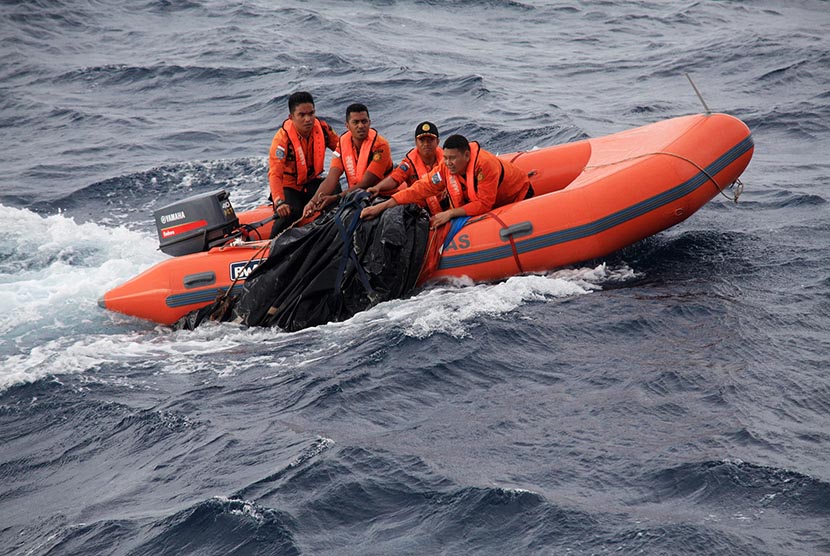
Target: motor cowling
{"x": 196, "y": 223}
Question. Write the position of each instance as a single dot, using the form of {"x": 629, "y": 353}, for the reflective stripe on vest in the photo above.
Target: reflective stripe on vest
{"x": 356, "y": 168}
{"x": 423, "y": 172}
{"x": 457, "y": 193}
{"x": 318, "y": 146}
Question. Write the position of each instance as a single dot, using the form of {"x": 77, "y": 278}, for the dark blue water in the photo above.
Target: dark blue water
{"x": 673, "y": 399}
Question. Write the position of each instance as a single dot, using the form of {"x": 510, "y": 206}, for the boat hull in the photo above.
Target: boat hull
{"x": 172, "y": 288}
{"x": 592, "y": 198}
{"x": 633, "y": 184}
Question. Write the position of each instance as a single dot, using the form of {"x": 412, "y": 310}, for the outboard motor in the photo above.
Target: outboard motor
{"x": 196, "y": 223}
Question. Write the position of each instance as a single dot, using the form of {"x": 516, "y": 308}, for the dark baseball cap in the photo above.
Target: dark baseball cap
{"x": 426, "y": 128}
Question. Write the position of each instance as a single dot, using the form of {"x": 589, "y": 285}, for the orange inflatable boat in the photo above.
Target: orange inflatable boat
{"x": 592, "y": 197}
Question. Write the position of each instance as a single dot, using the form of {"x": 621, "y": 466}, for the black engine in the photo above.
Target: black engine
{"x": 196, "y": 223}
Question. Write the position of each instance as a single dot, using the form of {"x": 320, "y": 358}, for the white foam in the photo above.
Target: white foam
{"x": 454, "y": 310}
{"x": 52, "y": 324}
{"x": 52, "y": 272}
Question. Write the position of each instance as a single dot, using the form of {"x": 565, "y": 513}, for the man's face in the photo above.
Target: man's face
{"x": 303, "y": 118}
{"x": 359, "y": 124}
{"x": 426, "y": 145}
{"x": 456, "y": 160}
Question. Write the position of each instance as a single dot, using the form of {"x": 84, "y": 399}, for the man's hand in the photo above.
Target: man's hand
{"x": 282, "y": 209}
{"x": 443, "y": 217}
{"x": 310, "y": 207}
{"x": 371, "y": 212}
{"x": 319, "y": 203}
{"x": 327, "y": 200}
{"x": 440, "y": 219}
{"x": 375, "y": 210}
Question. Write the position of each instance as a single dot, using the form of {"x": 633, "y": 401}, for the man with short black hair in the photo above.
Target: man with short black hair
{"x": 362, "y": 154}
{"x": 297, "y": 158}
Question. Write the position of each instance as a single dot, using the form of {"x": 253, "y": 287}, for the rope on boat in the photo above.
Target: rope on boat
{"x": 236, "y": 278}
{"x": 226, "y": 294}
{"x": 737, "y": 186}
{"x": 512, "y": 243}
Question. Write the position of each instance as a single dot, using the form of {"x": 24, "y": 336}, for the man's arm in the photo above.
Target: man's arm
{"x": 386, "y": 184}
{"x": 368, "y": 180}
{"x": 420, "y": 191}
{"x": 276, "y": 167}
{"x": 443, "y": 217}
{"x": 489, "y": 170}
{"x": 325, "y": 193}
{"x": 380, "y": 165}
{"x": 375, "y": 210}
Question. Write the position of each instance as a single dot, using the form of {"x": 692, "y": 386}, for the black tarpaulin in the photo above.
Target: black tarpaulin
{"x": 328, "y": 270}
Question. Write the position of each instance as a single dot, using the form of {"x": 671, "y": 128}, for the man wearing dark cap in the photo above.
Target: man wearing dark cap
{"x": 422, "y": 162}
{"x": 475, "y": 181}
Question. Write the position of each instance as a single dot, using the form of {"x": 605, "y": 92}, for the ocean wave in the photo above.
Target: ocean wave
{"x": 39, "y": 19}
{"x": 453, "y": 312}
{"x": 737, "y": 485}
{"x": 71, "y": 539}
{"x": 679, "y": 539}
{"x": 466, "y": 305}
{"x": 56, "y": 276}
{"x": 686, "y": 255}
{"x": 439, "y": 516}
{"x": 222, "y": 526}
{"x": 790, "y": 199}
{"x": 131, "y": 198}
{"x": 149, "y": 77}
{"x": 804, "y": 121}
{"x": 591, "y": 411}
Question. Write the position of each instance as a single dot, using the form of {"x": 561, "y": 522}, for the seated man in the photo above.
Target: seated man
{"x": 296, "y": 159}
{"x": 422, "y": 162}
{"x": 478, "y": 182}
{"x": 362, "y": 153}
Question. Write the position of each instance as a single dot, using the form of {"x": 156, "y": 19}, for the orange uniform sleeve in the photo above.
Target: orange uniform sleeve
{"x": 332, "y": 139}
{"x": 276, "y": 163}
{"x": 404, "y": 172}
{"x": 381, "y": 158}
{"x": 421, "y": 190}
{"x": 487, "y": 173}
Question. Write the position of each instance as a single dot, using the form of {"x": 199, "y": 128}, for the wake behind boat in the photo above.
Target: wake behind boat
{"x": 592, "y": 198}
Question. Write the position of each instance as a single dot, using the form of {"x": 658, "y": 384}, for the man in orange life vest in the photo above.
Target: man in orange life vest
{"x": 422, "y": 162}
{"x": 478, "y": 182}
{"x": 362, "y": 153}
{"x": 297, "y": 158}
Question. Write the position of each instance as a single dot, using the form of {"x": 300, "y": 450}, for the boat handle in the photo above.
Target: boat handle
{"x": 516, "y": 230}
{"x": 197, "y": 280}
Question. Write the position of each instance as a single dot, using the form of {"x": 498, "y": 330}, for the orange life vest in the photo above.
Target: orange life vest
{"x": 318, "y": 145}
{"x": 433, "y": 203}
{"x": 457, "y": 193}
{"x": 356, "y": 168}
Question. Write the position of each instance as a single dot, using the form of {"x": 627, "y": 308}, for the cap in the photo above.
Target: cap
{"x": 426, "y": 128}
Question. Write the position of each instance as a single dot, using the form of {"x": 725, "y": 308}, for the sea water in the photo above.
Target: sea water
{"x": 672, "y": 398}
